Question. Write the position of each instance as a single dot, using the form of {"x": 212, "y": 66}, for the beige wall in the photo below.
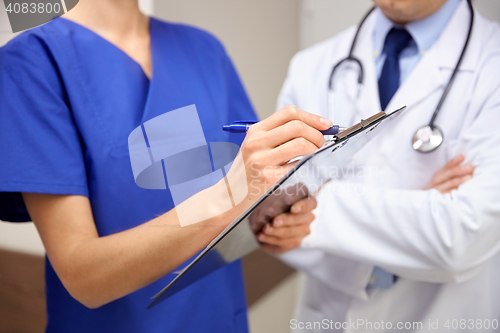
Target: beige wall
{"x": 21, "y": 237}
{"x": 261, "y": 36}
{"x": 489, "y": 8}
{"x": 322, "y": 19}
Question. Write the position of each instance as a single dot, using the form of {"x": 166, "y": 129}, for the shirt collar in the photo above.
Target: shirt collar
{"x": 425, "y": 32}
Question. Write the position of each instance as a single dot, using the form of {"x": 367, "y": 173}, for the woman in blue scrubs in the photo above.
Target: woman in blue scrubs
{"x": 71, "y": 92}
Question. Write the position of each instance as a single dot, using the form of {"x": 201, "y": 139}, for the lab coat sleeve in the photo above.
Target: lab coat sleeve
{"x": 423, "y": 235}
{"x": 345, "y": 275}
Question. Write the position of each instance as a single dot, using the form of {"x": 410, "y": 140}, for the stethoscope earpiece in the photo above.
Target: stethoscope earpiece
{"x": 427, "y": 139}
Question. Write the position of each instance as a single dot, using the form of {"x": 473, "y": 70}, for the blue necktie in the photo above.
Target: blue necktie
{"x": 396, "y": 41}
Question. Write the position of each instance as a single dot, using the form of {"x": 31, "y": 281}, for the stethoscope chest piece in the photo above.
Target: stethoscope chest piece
{"x": 427, "y": 139}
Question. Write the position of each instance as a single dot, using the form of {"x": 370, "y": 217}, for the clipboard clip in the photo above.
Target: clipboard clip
{"x": 364, "y": 123}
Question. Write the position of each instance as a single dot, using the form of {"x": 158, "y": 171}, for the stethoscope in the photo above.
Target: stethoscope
{"x": 428, "y": 137}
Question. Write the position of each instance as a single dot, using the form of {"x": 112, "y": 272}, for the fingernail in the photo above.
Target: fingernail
{"x": 325, "y": 122}
{"x": 296, "y": 209}
{"x": 278, "y": 222}
{"x": 261, "y": 237}
{"x": 467, "y": 167}
{"x": 269, "y": 228}
{"x": 466, "y": 178}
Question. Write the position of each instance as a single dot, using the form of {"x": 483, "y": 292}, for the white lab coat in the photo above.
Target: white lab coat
{"x": 444, "y": 248}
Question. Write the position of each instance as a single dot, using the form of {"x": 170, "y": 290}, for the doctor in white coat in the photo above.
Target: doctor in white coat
{"x": 442, "y": 249}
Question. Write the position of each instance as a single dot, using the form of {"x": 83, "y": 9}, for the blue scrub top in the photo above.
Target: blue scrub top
{"x": 69, "y": 100}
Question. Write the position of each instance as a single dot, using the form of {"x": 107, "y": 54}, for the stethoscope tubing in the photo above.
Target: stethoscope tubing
{"x": 351, "y": 57}
{"x": 457, "y": 67}
{"x": 448, "y": 87}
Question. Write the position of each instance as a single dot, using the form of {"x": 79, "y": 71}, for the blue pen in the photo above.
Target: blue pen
{"x": 241, "y": 126}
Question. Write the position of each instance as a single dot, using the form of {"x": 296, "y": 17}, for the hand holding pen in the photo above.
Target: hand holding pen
{"x": 270, "y": 144}
{"x": 266, "y": 152}
{"x": 242, "y": 126}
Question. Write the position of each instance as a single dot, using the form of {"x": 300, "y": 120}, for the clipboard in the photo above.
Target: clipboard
{"x": 307, "y": 177}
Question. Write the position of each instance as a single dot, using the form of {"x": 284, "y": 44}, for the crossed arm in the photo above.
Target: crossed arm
{"x": 447, "y": 179}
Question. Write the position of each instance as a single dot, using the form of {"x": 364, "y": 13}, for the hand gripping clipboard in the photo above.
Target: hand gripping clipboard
{"x": 238, "y": 239}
